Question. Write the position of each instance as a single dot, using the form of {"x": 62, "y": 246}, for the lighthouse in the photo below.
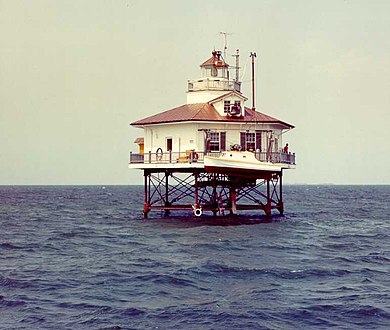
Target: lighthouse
{"x": 212, "y": 154}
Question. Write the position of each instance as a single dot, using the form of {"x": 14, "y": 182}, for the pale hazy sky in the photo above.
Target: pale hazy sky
{"x": 74, "y": 74}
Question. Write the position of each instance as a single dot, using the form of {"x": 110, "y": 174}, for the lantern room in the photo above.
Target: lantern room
{"x": 215, "y": 80}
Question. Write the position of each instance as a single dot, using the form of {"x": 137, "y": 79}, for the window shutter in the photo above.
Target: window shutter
{"x": 242, "y": 140}
{"x": 223, "y": 141}
{"x": 206, "y": 142}
{"x": 258, "y": 140}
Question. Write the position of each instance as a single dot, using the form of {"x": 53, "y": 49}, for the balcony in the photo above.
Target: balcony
{"x": 198, "y": 158}
{"x": 213, "y": 85}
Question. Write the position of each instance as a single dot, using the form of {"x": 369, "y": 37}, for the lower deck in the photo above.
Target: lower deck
{"x": 195, "y": 160}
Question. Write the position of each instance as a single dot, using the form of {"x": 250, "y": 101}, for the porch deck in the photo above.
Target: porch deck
{"x": 196, "y": 159}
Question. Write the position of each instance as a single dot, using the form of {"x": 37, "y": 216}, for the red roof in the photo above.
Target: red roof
{"x": 205, "y": 112}
{"x": 216, "y": 60}
{"x": 213, "y": 61}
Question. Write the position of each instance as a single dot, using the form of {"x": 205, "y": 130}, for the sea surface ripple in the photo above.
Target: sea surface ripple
{"x": 83, "y": 257}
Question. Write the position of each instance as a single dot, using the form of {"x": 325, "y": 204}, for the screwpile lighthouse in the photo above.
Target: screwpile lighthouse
{"x": 212, "y": 154}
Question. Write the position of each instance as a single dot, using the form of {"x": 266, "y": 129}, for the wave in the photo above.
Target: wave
{"x": 10, "y": 246}
{"x": 277, "y": 273}
{"x": 11, "y": 283}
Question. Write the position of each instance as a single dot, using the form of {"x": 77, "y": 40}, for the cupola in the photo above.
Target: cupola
{"x": 214, "y": 81}
{"x": 215, "y": 66}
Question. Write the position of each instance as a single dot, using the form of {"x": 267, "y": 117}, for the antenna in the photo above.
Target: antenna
{"x": 225, "y": 34}
{"x": 253, "y": 55}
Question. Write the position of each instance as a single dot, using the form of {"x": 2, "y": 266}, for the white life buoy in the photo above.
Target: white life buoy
{"x": 198, "y": 212}
{"x": 159, "y": 154}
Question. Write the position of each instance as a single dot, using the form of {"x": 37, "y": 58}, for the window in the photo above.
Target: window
{"x": 216, "y": 141}
{"x": 237, "y": 104}
{"x": 251, "y": 141}
{"x": 226, "y": 106}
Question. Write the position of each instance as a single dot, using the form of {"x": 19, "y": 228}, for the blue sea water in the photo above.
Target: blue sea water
{"x": 83, "y": 257}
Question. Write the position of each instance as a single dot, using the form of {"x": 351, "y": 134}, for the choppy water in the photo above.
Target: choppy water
{"x": 84, "y": 258}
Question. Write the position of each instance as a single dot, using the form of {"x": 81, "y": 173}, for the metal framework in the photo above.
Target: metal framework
{"x": 199, "y": 191}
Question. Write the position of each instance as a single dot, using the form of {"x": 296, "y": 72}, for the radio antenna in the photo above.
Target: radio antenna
{"x": 225, "y": 34}
{"x": 253, "y": 55}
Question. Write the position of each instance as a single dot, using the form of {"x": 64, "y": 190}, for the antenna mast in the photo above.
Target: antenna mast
{"x": 225, "y": 34}
{"x": 253, "y": 55}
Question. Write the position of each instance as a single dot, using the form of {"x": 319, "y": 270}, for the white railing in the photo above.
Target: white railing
{"x": 212, "y": 84}
{"x": 198, "y": 157}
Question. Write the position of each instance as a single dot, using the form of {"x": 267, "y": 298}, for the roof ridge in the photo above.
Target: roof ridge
{"x": 201, "y": 108}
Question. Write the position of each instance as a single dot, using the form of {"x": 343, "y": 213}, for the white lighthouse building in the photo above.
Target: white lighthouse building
{"x": 213, "y": 127}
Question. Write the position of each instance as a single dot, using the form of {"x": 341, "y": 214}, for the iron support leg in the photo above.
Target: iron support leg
{"x": 233, "y": 201}
{"x": 196, "y": 190}
{"x": 167, "y": 203}
{"x": 267, "y": 207}
{"x": 214, "y": 196}
{"x": 146, "y": 194}
{"x": 281, "y": 206}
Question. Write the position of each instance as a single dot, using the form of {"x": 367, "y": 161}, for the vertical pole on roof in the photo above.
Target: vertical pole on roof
{"x": 253, "y": 55}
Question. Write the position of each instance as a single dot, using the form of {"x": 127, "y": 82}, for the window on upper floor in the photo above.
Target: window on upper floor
{"x": 226, "y": 106}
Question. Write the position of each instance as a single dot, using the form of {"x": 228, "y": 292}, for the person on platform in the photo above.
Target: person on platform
{"x": 285, "y": 149}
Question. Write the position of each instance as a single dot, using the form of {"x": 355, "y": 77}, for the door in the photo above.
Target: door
{"x": 169, "y": 144}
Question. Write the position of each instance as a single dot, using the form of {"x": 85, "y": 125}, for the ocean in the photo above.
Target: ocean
{"x": 83, "y": 257}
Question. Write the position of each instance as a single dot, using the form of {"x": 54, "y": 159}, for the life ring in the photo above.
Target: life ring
{"x": 197, "y": 211}
{"x": 159, "y": 154}
{"x": 195, "y": 156}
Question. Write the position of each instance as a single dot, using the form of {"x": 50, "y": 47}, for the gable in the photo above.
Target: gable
{"x": 232, "y": 94}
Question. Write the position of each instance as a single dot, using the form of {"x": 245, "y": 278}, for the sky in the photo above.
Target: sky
{"x": 75, "y": 73}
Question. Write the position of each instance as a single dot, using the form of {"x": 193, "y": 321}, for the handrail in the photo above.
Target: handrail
{"x": 198, "y": 157}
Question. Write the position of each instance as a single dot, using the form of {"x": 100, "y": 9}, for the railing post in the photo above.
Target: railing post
{"x": 170, "y": 156}
{"x": 150, "y": 157}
